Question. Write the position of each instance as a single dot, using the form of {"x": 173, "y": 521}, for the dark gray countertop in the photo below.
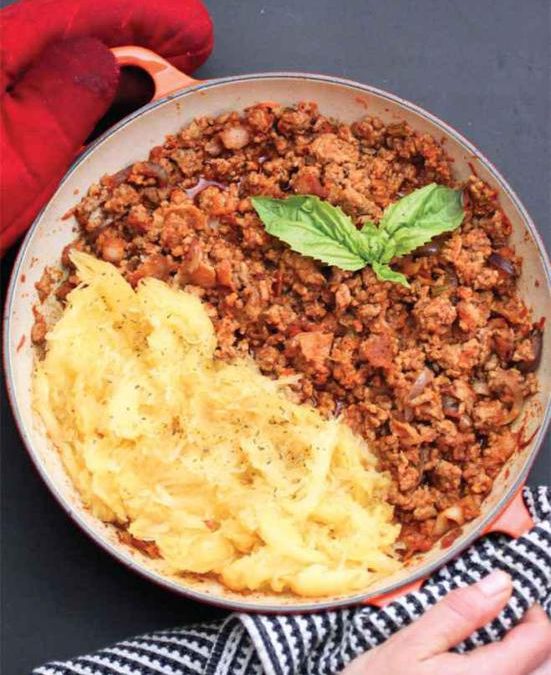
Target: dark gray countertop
{"x": 481, "y": 65}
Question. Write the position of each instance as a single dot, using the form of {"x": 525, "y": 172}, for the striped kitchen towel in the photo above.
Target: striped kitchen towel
{"x": 322, "y": 644}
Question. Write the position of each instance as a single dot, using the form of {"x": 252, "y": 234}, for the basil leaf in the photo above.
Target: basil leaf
{"x": 322, "y": 231}
{"x": 375, "y": 240}
{"x": 417, "y": 218}
{"x": 369, "y": 228}
{"x": 314, "y": 228}
{"x": 384, "y": 272}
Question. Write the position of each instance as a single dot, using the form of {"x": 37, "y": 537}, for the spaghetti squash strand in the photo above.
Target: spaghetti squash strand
{"x": 211, "y": 461}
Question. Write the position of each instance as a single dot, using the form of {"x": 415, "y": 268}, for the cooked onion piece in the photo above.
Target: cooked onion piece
{"x": 448, "y": 519}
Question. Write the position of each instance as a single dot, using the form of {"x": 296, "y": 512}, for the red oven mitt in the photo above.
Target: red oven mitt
{"x": 58, "y": 78}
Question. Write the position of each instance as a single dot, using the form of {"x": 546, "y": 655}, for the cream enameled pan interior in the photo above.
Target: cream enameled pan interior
{"x": 131, "y": 141}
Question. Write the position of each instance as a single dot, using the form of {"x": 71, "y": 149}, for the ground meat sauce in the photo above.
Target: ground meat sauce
{"x": 431, "y": 376}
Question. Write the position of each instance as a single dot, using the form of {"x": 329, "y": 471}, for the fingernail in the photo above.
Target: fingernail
{"x": 495, "y": 583}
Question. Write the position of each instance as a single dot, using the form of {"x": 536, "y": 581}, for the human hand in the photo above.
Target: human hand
{"x": 423, "y": 647}
{"x": 58, "y": 78}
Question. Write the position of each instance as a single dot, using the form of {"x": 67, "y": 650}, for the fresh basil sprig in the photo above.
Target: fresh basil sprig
{"x": 320, "y": 230}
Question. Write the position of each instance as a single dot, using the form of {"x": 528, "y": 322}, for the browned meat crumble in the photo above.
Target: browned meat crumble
{"x": 431, "y": 376}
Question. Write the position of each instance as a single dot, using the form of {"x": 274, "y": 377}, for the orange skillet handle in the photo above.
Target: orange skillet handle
{"x": 514, "y": 520}
{"x": 383, "y": 600}
{"x": 166, "y": 77}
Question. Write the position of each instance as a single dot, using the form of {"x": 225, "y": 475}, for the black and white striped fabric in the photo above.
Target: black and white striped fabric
{"x": 322, "y": 644}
